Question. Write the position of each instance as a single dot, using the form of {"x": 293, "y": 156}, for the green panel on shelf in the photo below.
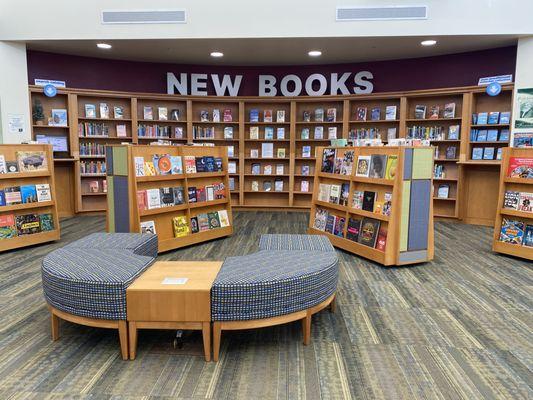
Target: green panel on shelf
{"x": 404, "y": 220}
{"x": 110, "y": 204}
{"x": 120, "y": 160}
{"x": 422, "y": 164}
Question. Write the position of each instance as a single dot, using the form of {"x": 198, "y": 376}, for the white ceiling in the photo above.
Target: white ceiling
{"x": 289, "y": 51}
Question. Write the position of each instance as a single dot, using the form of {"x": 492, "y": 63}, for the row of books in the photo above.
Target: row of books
{"x": 377, "y": 166}
{"x": 171, "y": 196}
{"x": 92, "y": 167}
{"x": 371, "y": 133}
{"x": 25, "y": 161}
{"x": 267, "y": 169}
{"x": 227, "y": 117}
{"x": 365, "y": 231}
{"x": 24, "y": 194}
{"x": 486, "y": 153}
{"x": 267, "y": 151}
{"x": 520, "y": 167}
{"x": 165, "y": 164}
{"x": 443, "y": 191}
{"x": 90, "y": 111}
{"x": 162, "y": 131}
{"x": 433, "y": 132}
{"x": 267, "y": 115}
{"x": 87, "y": 129}
{"x": 375, "y": 113}
{"x": 58, "y": 116}
{"x": 318, "y": 133}
{"x": 439, "y": 171}
{"x": 162, "y": 113}
{"x": 368, "y": 200}
{"x": 98, "y": 186}
{"x": 450, "y": 153}
{"x": 489, "y": 135}
{"x": 435, "y": 111}
{"x": 492, "y": 117}
{"x": 267, "y": 186}
{"x": 201, "y": 132}
{"x": 25, "y": 224}
{"x": 516, "y": 232}
{"x": 341, "y": 163}
{"x": 199, "y": 223}
{"x": 268, "y": 133}
{"x": 523, "y": 139}
{"x": 521, "y": 201}
{"x": 92, "y": 149}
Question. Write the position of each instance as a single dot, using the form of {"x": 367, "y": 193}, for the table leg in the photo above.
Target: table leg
{"x": 123, "y": 337}
{"x": 54, "y": 320}
{"x": 333, "y": 304}
{"x": 306, "y": 328}
{"x": 216, "y": 340}
{"x": 132, "y": 331}
{"x": 206, "y": 334}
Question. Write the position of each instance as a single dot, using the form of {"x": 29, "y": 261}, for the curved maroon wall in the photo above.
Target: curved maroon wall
{"x": 452, "y": 70}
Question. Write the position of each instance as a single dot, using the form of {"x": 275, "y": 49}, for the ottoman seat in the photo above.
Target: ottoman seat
{"x": 141, "y": 244}
{"x": 295, "y": 242}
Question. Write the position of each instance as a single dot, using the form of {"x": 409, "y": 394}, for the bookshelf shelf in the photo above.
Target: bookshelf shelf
{"x": 521, "y": 181}
{"x": 215, "y": 123}
{"x": 516, "y": 213}
{"x": 27, "y": 206}
{"x": 445, "y": 159}
{"x": 208, "y": 203}
{"x": 386, "y": 234}
{"x": 267, "y": 191}
{"x": 94, "y": 194}
{"x": 445, "y": 198}
{"x": 378, "y": 121}
{"x": 205, "y": 175}
{"x": 429, "y": 120}
{"x": 150, "y": 178}
{"x": 163, "y": 210}
{"x": 318, "y": 123}
{"x": 267, "y": 123}
{"x": 51, "y": 126}
{"x": 445, "y": 179}
{"x": 489, "y": 125}
{"x": 105, "y": 119}
{"x": 22, "y": 175}
{"x": 161, "y": 121}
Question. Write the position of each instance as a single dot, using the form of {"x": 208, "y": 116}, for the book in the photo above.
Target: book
{"x": 321, "y": 216}
{"x": 304, "y": 186}
{"x": 174, "y": 114}
{"x": 319, "y": 115}
{"x": 477, "y": 153}
{"x": 216, "y": 115}
{"x": 525, "y": 203}
{"x": 90, "y": 111}
{"x": 375, "y": 114}
{"x": 12, "y": 167}
{"x": 527, "y": 239}
{"x": 499, "y": 153}
{"x": 392, "y": 165}
{"x": 254, "y": 115}
{"x": 59, "y": 117}
{"x": 338, "y": 228}
{"x": 357, "y": 199}
{"x": 121, "y": 130}
{"x": 488, "y": 153}
{"x": 149, "y": 169}
{"x": 347, "y": 163}
{"x": 254, "y": 132}
{"x": 176, "y": 166}
{"x": 504, "y": 135}
{"x": 345, "y": 193}
{"x": 280, "y": 133}
{"x": 331, "y": 115}
{"x": 228, "y": 132}
{"x": 104, "y": 110}
{"x": 269, "y": 133}
{"x": 330, "y": 223}
{"x": 368, "y": 200}
{"x": 8, "y": 229}
{"x": 281, "y": 152}
{"x": 334, "y": 194}
{"x": 179, "y": 195}
{"x": 223, "y": 218}
{"x": 318, "y": 133}
{"x": 46, "y": 222}
{"x": 387, "y": 204}
{"x": 391, "y": 133}
{"x": 505, "y": 117}
{"x": 2, "y": 198}
{"x": 180, "y": 226}
{"x": 453, "y": 132}
{"x": 232, "y": 167}
{"x": 420, "y": 111}
{"x": 148, "y": 113}
{"x": 492, "y": 135}
{"x": 194, "y": 225}
{"x": 520, "y": 167}
{"x": 481, "y": 135}
{"x": 278, "y": 185}
{"x": 28, "y": 194}
{"x": 332, "y": 132}
{"x": 306, "y": 151}
{"x": 231, "y": 151}
{"x": 118, "y": 112}
{"x": 328, "y": 160}
{"x": 256, "y": 169}
{"x": 451, "y": 152}
{"x": 3, "y": 169}
{"x": 190, "y": 164}
{"x": 512, "y": 231}
{"x": 390, "y": 113}
{"x": 27, "y": 224}
{"x": 363, "y": 166}
{"x": 449, "y": 110}
{"x": 142, "y": 201}
{"x": 306, "y": 116}
{"x": 162, "y": 164}
{"x": 12, "y": 195}
{"x": 267, "y": 170}
{"x": 493, "y": 118}
{"x": 203, "y": 222}
{"x": 166, "y": 196}
{"x": 267, "y": 116}
{"x": 280, "y": 169}
{"x": 267, "y": 150}
{"x": 28, "y": 161}
{"x": 255, "y": 186}
{"x": 352, "y": 230}
{"x": 381, "y": 243}
{"x": 280, "y": 116}
{"x": 153, "y": 198}
{"x": 204, "y": 116}
{"x": 305, "y": 134}
{"x": 213, "y": 220}
{"x": 481, "y": 118}
{"x": 368, "y": 233}
{"x": 360, "y": 114}
{"x": 378, "y": 163}
{"x": 443, "y": 191}
{"x": 267, "y": 186}
{"x": 178, "y": 132}
{"x": 323, "y": 192}
{"x": 434, "y": 112}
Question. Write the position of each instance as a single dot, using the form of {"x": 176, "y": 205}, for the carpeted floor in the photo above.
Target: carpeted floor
{"x": 457, "y": 328}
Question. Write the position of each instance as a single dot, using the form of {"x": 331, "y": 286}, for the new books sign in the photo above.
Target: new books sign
{"x": 269, "y": 85}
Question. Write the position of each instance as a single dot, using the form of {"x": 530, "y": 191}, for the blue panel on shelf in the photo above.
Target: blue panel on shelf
{"x": 122, "y": 211}
{"x": 109, "y": 160}
{"x": 408, "y": 164}
{"x": 419, "y": 214}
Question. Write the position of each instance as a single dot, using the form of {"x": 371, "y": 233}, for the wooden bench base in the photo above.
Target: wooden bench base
{"x": 304, "y": 315}
{"x": 122, "y": 326}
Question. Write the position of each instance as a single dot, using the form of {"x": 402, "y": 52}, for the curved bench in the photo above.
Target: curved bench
{"x": 85, "y": 282}
{"x": 290, "y": 278}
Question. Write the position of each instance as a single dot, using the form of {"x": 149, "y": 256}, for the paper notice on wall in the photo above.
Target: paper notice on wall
{"x": 15, "y": 123}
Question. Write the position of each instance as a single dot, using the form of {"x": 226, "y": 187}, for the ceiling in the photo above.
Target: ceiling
{"x": 289, "y": 51}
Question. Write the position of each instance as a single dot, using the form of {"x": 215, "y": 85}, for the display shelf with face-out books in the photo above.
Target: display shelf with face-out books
{"x": 513, "y": 229}
{"x": 375, "y": 202}
{"x": 375, "y": 118}
{"x": 28, "y": 203}
{"x": 189, "y": 205}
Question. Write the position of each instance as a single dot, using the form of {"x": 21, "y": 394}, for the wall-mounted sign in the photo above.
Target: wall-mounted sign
{"x": 499, "y": 78}
{"x": 493, "y": 89}
{"x": 49, "y": 90}
{"x": 15, "y": 124}
{"x": 270, "y": 85}
{"x": 524, "y": 99}
{"x": 44, "y": 82}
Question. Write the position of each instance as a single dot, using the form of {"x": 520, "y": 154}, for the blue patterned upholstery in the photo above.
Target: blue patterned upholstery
{"x": 89, "y": 277}
{"x": 295, "y": 242}
{"x": 272, "y": 283}
{"x": 141, "y": 244}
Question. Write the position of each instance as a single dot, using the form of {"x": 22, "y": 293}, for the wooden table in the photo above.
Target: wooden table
{"x": 152, "y": 304}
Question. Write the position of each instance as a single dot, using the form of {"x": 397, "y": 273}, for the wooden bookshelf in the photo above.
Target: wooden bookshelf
{"x": 9, "y": 152}
{"x": 122, "y": 218}
{"x": 411, "y": 213}
{"x": 508, "y": 183}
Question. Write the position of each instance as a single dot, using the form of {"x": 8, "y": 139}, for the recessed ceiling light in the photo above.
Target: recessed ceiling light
{"x": 315, "y": 53}
{"x": 103, "y": 45}
{"x": 428, "y": 42}
{"x": 217, "y": 54}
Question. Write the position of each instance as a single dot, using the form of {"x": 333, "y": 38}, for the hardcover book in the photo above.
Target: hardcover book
{"x": 27, "y": 224}
{"x": 12, "y": 195}
{"x": 363, "y": 166}
{"x": 481, "y": 118}
{"x": 381, "y": 243}
{"x": 204, "y": 116}
{"x": 213, "y": 220}
{"x": 118, "y": 112}
{"x": 176, "y": 166}
{"x": 387, "y": 204}
{"x": 190, "y": 164}
{"x": 191, "y": 194}
{"x": 319, "y": 115}
{"x": 375, "y": 114}
{"x": 147, "y": 112}
{"x": 504, "y": 135}
{"x": 334, "y": 194}
{"x": 492, "y": 135}
{"x": 505, "y": 117}
{"x": 166, "y": 195}
{"x": 280, "y": 168}
{"x": 369, "y": 232}
{"x": 347, "y": 163}
{"x": 352, "y": 230}
{"x": 392, "y": 165}
{"x": 306, "y": 116}
{"x": 357, "y": 199}
{"x": 451, "y": 152}
{"x": 31, "y": 161}
{"x": 488, "y": 153}
{"x": 390, "y": 113}
{"x": 142, "y": 202}
{"x": 180, "y": 226}
{"x": 216, "y": 115}
{"x": 481, "y": 135}
{"x": 278, "y": 185}
{"x": 194, "y": 225}
{"x": 324, "y": 192}
{"x": 281, "y": 152}
{"x": 153, "y": 198}
{"x": 318, "y": 133}
{"x": 321, "y": 217}
{"x": 90, "y": 111}
{"x": 28, "y": 194}
{"x": 3, "y": 169}
{"x": 434, "y": 112}
{"x": 330, "y": 223}
{"x": 360, "y": 114}
{"x": 306, "y": 151}
{"x": 477, "y": 153}
{"x": 453, "y": 132}
{"x": 338, "y": 229}
{"x": 255, "y": 186}
{"x": 378, "y": 163}
{"x": 512, "y": 231}
{"x": 162, "y": 113}
{"x": 280, "y": 116}
{"x": 345, "y": 192}
{"x": 304, "y": 186}
{"x": 331, "y": 115}
{"x": 12, "y": 167}
{"x": 328, "y": 161}
{"x": 148, "y": 227}
{"x": 254, "y": 115}
{"x": 368, "y": 200}
{"x": 494, "y": 117}
{"x": 528, "y": 236}
{"x": 203, "y": 222}
{"x": 449, "y": 110}
{"x": 267, "y": 169}
{"x": 305, "y": 134}
{"x": 280, "y": 133}
{"x": 224, "y": 218}
{"x": 267, "y": 116}
{"x": 420, "y": 112}
{"x": 443, "y": 191}
{"x": 256, "y": 169}
{"x": 228, "y": 117}
{"x": 228, "y": 132}
{"x": 520, "y": 167}
{"x": 104, "y": 110}
{"x": 8, "y": 229}
{"x": 332, "y": 132}
{"x": 267, "y": 150}
{"x": 46, "y": 221}
{"x": 60, "y": 118}
{"x": 254, "y": 132}
{"x": 175, "y": 114}
{"x": 269, "y": 133}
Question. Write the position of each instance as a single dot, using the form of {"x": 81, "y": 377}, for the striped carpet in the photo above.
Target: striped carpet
{"x": 457, "y": 328}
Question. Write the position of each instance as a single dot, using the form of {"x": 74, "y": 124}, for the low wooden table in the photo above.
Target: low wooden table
{"x": 157, "y": 300}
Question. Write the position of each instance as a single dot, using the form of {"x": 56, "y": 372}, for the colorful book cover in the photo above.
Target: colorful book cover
{"x": 166, "y": 196}
{"x": 504, "y": 135}
{"x": 148, "y": 227}
{"x": 7, "y": 226}
{"x": 526, "y": 202}
{"x": 369, "y": 232}
{"x": 381, "y": 243}
{"x": 330, "y": 223}
{"x": 43, "y": 192}
{"x": 363, "y": 166}
{"x": 328, "y": 161}
{"x": 331, "y": 114}
{"x": 352, "y": 230}
{"x": 254, "y": 115}
{"x": 269, "y": 133}
{"x": 192, "y": 194}
{"x": 180, "y": 226}
{"x": 392, "y": 165}
{"x": 390, "y": 113}
{"x": 375, "y": 114}
{"x": 179, "y": 195}
{"x": 520, "y": 167}
{"x": 2, "y": 198}
{"x": 267, "y": 116}
{"x": 318, "y": 132}
{"x": 28, "y": 194}
{"x": 280, "y": 133}
{"x": 228, "y": 132}
{"x": 213, "y": 220}
{"x": 481, "y": 118}
{"x": 321, "y": 216}
{"x": 492, "y": 135}
{"x": 153, "y": 198}
{"x": 13, "y": 195}
{"x": 488, "y": 153}
{"x": 387, "y": 204}
{"x": 142, "y": 202}
{"x": 334, "y": 194}
{"x": 90, "y": 111}
{"x": 148, "y": 113}
{"x": 494, "y": 117}
{"x": 420, "y": 112}
{"x": 190, "y": 164}
{"x": 360, "y": 114}
{"x": 505, "y": 117}
{"x": 453, "y": 132}
{"x": 280, "y": 116}
{"x": 27, "y": 224}
{"x": 223, "y": 218}
{"x": 357, "y": 199}
{"x": 228, "y": 117}
{"x": 319, "y": 115}
{"x": 47, "y": 222}
{"x": 368, "y": 200}
{"x": 347, "y": 162}
{"x": 512, "y": 231}
{"x": 203, "y": 222}
{"x": 477, "y": 153}
{"x": 305, "y": 134}
{"x": 139, "y": 166}
{"x": 345, "y": 193}
{"x": 449, "y": 110}
{"x": 149, "y": 169}
{"x": 378, "y": 163}
{"x": 434, "y": 112}
{"x": 194, "y": 225}
{"x": 216, "y": 115}
{"x": 528, "y": 236}
{"x": 176, "y": 166}
{"x": 338, "y": 229}
{"x": 31, "y": 161}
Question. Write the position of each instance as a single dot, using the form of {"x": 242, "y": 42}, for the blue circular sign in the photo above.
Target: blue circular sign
{"x": 494, "y": 89}
{"x": 50, "y": 90}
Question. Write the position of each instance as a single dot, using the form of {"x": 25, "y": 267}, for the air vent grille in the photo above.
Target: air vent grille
{"x": 144, "y": 17}
{"x": 377, "y": 13}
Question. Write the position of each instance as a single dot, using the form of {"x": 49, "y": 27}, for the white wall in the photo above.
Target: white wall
{"x": 14, "y": 99}
{"x": 68, "y": 19}
{"x": 524, "y": 73}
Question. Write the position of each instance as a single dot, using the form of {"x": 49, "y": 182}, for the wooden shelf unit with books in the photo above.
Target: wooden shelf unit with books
{"x": 376, "y": 203}
{"x": 162, "y": 200}
{"x": 513, "y": 229}
{"x": 28, "y": 203}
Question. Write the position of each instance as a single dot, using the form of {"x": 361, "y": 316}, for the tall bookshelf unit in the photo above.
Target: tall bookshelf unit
{"x": 124, "y": 213}
{"x": 9, "y": 151}
{"x": 473, "y": 184}
{"x": 515, "y": 184}
{"x": 408, "y": 227}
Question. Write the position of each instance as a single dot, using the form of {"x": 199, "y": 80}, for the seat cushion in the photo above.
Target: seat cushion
{"x": 295, "y": 242}
{"x": 272, "y": 283}
{"x": 144, "y": 244}
{"x": 91, "y": 282}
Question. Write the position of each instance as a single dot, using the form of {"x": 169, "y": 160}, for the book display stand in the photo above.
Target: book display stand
{"x": 181, "y": 193}
{"x": 28, "y": 204}
{"x": 375, "y": 202}
{"x": 513, "y": 230}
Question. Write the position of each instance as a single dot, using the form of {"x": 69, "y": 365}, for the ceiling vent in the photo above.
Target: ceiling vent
{"x": 381, "y": 13}
{"x": 144, "y": 17}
